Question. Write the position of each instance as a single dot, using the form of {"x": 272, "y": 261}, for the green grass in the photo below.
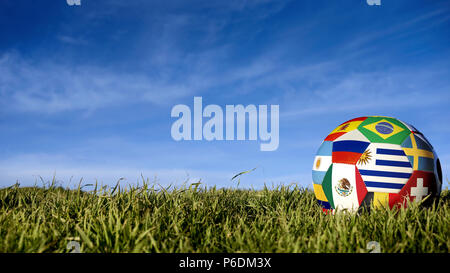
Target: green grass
{"x": 196, "y": 219}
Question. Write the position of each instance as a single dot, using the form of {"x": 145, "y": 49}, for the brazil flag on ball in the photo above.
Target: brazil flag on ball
{"x": 384, "y": 130}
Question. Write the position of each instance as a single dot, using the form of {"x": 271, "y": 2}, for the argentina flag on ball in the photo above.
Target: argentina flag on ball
{"x": 384, "y": 167}
{"x": 322, "y": 162}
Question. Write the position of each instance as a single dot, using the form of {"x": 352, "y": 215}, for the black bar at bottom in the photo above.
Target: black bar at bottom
{"x": 219, "y": 262}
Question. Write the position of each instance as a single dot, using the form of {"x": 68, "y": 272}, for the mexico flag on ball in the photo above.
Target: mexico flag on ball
{"x": 344, "y": 187}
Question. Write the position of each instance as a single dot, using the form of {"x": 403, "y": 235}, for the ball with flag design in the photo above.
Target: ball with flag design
{"x": 375, "y": 160}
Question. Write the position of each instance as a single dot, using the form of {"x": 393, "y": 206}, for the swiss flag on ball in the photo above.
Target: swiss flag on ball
{"x": 419, "y": 185}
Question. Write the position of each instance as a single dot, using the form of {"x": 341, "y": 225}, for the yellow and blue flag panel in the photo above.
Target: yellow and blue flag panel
{"x": 419, "y": 152}
{"x": 320, "y": 196}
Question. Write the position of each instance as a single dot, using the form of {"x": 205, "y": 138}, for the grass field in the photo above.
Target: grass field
{"x": 197, "y": 219}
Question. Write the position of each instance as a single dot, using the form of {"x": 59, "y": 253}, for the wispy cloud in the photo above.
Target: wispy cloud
{"x": 432, "y": 18}
{"x": 367, "y": 91}
{"x": 72, "y": 40}
{"x": 51, "y": 88}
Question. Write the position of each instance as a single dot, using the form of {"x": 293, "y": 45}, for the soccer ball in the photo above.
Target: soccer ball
{"x": 375, "y": 160}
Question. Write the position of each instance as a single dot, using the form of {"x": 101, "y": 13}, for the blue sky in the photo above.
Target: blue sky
{"x": 86, "y": 91}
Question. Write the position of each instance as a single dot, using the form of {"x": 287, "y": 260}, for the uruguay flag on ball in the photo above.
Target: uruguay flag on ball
{"x": 384, "y": 168}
